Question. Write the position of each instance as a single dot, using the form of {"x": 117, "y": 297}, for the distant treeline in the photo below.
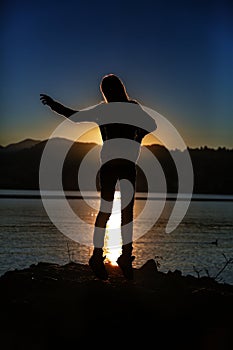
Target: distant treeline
{"x": 213, "y": 170}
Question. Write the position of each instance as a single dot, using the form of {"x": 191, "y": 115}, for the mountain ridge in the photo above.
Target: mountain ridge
{"x": 29, "y": 142}
{"x": 20, "y": 166}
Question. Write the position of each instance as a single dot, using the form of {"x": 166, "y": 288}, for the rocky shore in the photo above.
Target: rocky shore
{"x": 48, "y": 305}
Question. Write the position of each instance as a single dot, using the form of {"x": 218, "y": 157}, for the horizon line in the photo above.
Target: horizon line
{"x": 93, "y": 142}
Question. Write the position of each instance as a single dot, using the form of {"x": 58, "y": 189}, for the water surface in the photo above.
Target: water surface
{"x": 199, "y": 243}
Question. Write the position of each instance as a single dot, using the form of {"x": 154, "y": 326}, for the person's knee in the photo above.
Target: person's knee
{"x": 102, "y": 219}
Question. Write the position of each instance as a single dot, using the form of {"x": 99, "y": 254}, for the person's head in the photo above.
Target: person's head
{"x": 113, "y": 90}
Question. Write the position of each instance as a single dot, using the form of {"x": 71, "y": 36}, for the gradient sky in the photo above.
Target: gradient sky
{"x": 175, "y": 57}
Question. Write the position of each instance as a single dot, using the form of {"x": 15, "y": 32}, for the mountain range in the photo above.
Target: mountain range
{"x": 213, "y": 171}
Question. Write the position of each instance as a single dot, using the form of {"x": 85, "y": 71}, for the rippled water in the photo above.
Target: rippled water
{"x": 28, "y": 236}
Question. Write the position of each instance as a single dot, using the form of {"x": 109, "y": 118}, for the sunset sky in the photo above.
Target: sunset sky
{"x": 175, "y": 57}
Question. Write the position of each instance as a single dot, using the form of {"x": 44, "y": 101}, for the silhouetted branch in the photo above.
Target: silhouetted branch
{"x": 69, "y": 252}
{"x": 216, "y": 277}
{"x": 207, "y": 272}
{"x": 157, "y": 261}
{"x": 197, "y": 271}
{"x": 227, "y": 262}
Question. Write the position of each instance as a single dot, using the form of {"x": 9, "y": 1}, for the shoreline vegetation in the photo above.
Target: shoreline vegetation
{"x": 48, "y": 305}
{"x": 20, "y": 165}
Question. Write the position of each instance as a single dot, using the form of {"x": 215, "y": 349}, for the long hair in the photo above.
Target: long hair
{"x": 113, "y": 89}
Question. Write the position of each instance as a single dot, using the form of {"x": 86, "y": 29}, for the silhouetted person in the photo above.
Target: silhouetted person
{"x": 116, "y": 121}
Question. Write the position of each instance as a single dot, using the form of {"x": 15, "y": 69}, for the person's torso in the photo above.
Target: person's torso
{"x": 119, "y": 139}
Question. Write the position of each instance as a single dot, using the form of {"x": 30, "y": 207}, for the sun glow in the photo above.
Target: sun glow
{"x": 113, "y": 242}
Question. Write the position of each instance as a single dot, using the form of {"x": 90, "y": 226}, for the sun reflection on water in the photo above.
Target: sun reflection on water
{"x": 113, "y": 242}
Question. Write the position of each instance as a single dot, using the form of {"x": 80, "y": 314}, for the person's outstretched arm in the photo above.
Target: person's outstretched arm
{"x": 56, "y": 106}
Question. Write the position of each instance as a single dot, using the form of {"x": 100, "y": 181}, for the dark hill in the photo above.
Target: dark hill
{"x": 15, "y": 147}
{"x": 213, "y": 171}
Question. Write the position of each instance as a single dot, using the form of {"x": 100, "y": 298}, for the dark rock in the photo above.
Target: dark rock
{"x": 49, "y": 305}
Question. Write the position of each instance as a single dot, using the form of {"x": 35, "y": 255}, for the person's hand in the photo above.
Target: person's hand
{"x": 46, "y": 100}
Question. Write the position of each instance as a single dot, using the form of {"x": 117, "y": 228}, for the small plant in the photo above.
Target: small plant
{"x": 70, "y": 253}
{"x": 157, "y": 258}
{"x": 216, "y": 277}
{"x": 227, "y": 262}
{"x": 197, "y": 271}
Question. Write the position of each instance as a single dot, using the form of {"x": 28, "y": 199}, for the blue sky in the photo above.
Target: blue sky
{"x": 173, "y": 56}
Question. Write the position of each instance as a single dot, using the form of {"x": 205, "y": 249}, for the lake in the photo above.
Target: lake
{"x": 199, "y": 245}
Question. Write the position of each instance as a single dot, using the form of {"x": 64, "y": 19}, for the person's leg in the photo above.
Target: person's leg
{"x": 127, "y": 204}
{"x": 107, "y": 187}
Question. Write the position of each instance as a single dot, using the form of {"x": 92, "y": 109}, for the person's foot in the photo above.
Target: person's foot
{"x": 96, "y": 263}
{"x": 125, "y": 263}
